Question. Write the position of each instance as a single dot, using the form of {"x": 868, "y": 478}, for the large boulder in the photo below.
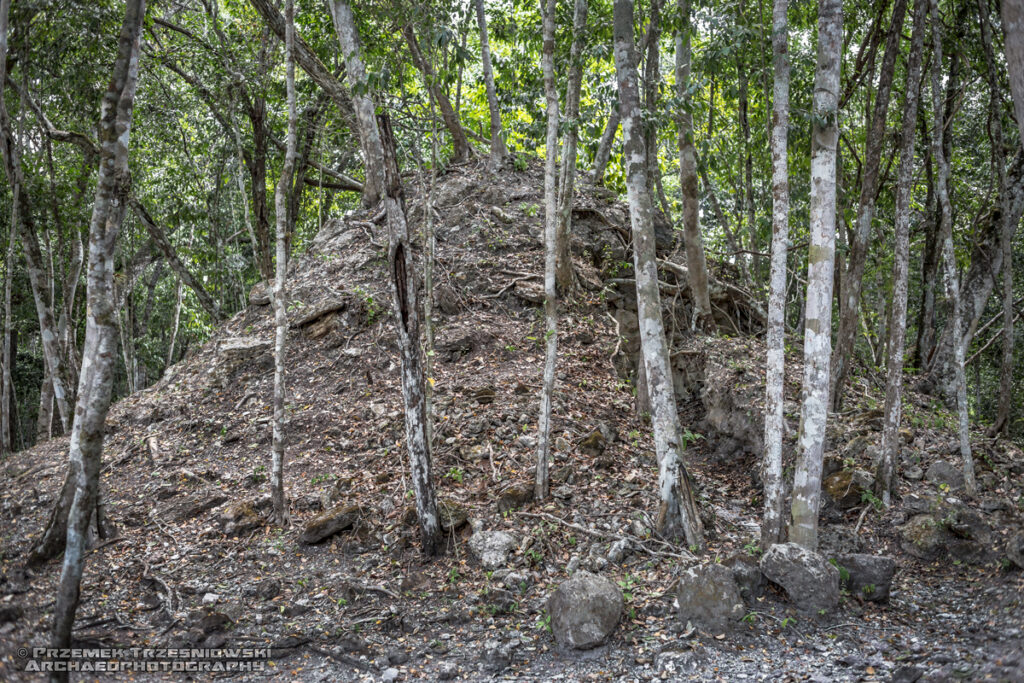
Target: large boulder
{"x": 749, "y": 579}
{"x": 338, "y": 518}
{"x": 847, "y": 487}
{"x": 867, "y": 576}
{"x": 810, "y": 581}
{"x": 943, "y": 472}
{"x": 584, "y": 610}
{"x": 709, "y": 597}
{"x": 491, "y": 548}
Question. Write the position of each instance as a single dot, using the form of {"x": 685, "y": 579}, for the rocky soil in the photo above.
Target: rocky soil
{"x": 343, "y": 593}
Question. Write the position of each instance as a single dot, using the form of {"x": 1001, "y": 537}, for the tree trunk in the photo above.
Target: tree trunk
{"x": 7, "y": 382}
{"x": 567, "y": 177}
{"x": 849, "y": 304}
{"x": 1013, "y": 28}
{"x": 748, "y": 159}
{"x": 604, "y": 148}
{"x": 176, "y": 325}
{"x": 803, "y": 528}
{"x": 651, "y": 81}
{"x": 86, "y": 446}
{"x": 463, "y": 152}
{"x": 924, "y": 346}
{"x": 315, "y": 69}
{"x": 38, "y": 277}
{"x": 678, "y": 510}
{"x": 540, "y": 487}
{"x": 1001, "y": 424}
{"x": 696, "y": 263}
{"x": 258, "y": 173}
{"x": 901, "y": 264}
{"x": 284, "y": 186}
{"x": 773, "y": 526}
{"x": 948, "y": 254}
{"x": 499, "y": 152}
{"x": 404, "y": 289}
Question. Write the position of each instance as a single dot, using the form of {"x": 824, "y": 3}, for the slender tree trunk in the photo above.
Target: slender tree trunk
{"x": 284, "y": 184}
{"x": 948, "y": 254}
{"x": 499, "y": 153}
{"x": 924, "y": 346}
{"x": 773, "y": 526}
{"x": 258, "y": 173}
{"x": 540, "y": 487}
{"x": 849, "y": 304}
{"x": 430, "y": 256}
{"x": 178, "y": 292}
{"x": 604, "y": 148}
{"x": 1013, "y": 28}
{"x": 696, "y": 263}
{"x": 38, "y": 278}
{"x": 651, "y": 83}
{"x": 463, "y": 151}
{"x": 404, "y": 287}
{"x": 1001, "y": 424}
{"x": 901, "y": 264}
{"x": 567, "y": 176}
{"x": 86, "y": 446}
{"x": 803, "y": 528}
{"x": 678, "y": 511}
{"x": 6, "y": 435}
{"x": 748, "y": 159}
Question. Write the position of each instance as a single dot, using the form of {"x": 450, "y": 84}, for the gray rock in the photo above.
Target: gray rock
{"x": 338, "y": 518}
{"x": 584, "y": 610}
{"x": 709, "y": 597}
{"x": 390, "y": 674}
{"x": 907, "y": 674}
{"x": 1015, "y": 549}
{"x": 913, "y": 473}
{"x": 867, "y": 576}
{"x": 491, "y": 548}
{"x": 446, "y": 671}
{"x": 923, "y": 537}
{"x": 210, "y": 599}
{"x": 847, "y": 487}
{"x": 618, "y": 551}
{"x": 747, "y": 575}
{"x": 943, "y": 472}
{"x": 809, "y": 580}
{"x": 497, "y": 655}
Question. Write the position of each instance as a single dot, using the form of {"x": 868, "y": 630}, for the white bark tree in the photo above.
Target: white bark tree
{"x": 284, "y": 187}
{"x": 99, "y": 352}
{"x": 678, "y": 510}
{"x": 567, "y": 175}
{"x": 499, "y": 152}
{"x": 952, "y": 279}
{"x": 901, "y": 263}
{"x": 773, "y": 526}
{"x": 540, "y": 486}
{"x": 803, "y": 527}
{"x": 1013, "y": 29}
{"x": 404, "y": 286}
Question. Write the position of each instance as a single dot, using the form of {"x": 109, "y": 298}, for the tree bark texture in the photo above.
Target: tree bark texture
{"x": 901, "y": 264}
{"x": 404, "y": 287}
{"x": 678, "y": 508}
{"x": 499, "y": 152}
{"x": 803, "y": 528}
{"x": 540, "y": 486}
{"x": 95, "y": 384}
{"x": 773, "y": 524}
{"x": 849, "y": 303}
{"x": 693, "y": 241}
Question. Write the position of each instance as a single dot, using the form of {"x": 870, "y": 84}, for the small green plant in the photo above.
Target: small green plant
{"x": 529, "y": 209}
{"x": 455, "y": 474}
{"x": 453, "y": 576}
{"x": 869, "y": 497}
{"x": 750, "y": 617}
{"x": 752, "y": 548}
{"x": 543, "y": 622}
{"x": 520, "y": 162}
{"x": 321, "y": 478}
{"x": 534, "y": 557}
{"x": 869, "y": 589}
{"x": 788, "y": 621}
{"x": 627, "y": 585}
{"x": 844, "y": 573}
{"x": 690, "y": 437}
